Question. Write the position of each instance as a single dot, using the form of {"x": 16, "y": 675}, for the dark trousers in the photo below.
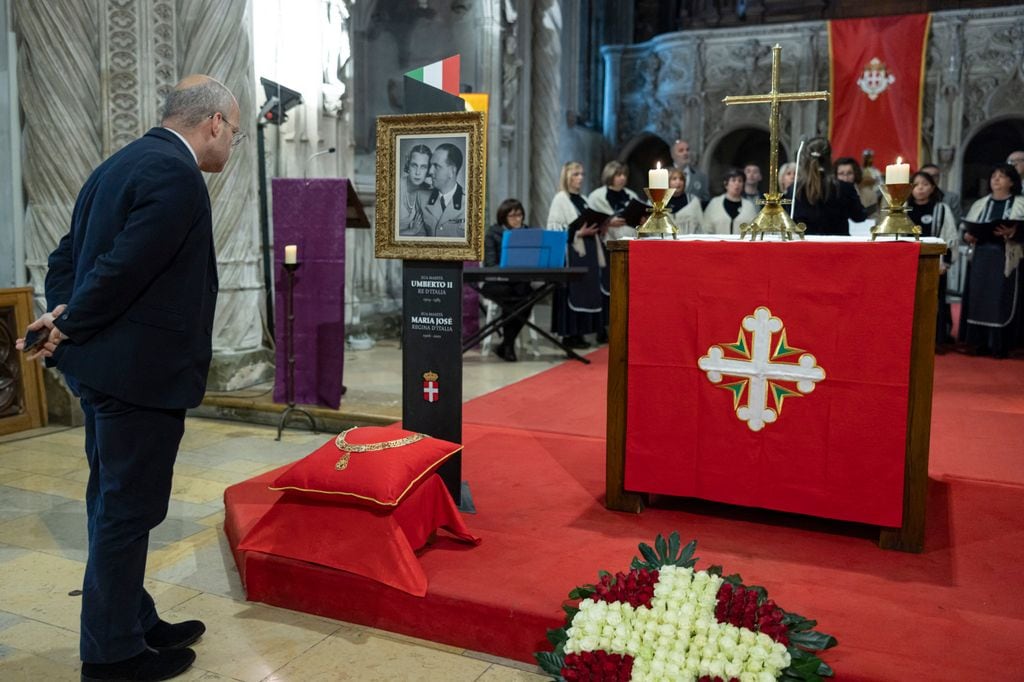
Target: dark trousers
{"x": 131, "y": 452}
{"x": 509, "y": 296}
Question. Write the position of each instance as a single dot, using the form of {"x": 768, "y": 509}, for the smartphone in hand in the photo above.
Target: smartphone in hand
{"x": 35, "y": 339}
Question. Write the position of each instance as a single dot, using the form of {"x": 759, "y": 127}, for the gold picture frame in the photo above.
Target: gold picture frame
{"x": 429, "y": 205}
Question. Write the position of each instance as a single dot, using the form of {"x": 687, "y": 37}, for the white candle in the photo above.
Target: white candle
{"x": 657, "y": 178}
{"x": 291, "y": 254}
{"x": 897, "y": 173}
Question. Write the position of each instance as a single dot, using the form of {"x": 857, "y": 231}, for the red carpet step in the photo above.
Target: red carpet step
{"x": 954, "y": 612}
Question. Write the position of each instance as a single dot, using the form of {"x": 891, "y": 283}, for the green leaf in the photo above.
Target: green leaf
{"x": 551, "y": 663}
{"x": 570, "y": 613}
{"x": 715, "y": 570}
{"x": 661, "y": 547}
{"x": 686, "y": 558}
{"x": 582, "y": 592}
{"x": 807, "y": 668}
{"x": 673, "y": 545}
{"x": 636, "y": 563}
{"x": 797, "y": 623}
{"x": 558, "y": 638}
{"x": 825, "y": 670}
{"x": 649, "y": 555}
{"x": 733, "y": 579}
{"x": 812, "y": 640}
{"x": 602, "y": 573}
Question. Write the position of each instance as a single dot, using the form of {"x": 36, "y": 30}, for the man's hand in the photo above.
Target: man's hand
{"x": 970, "y": 238}
{"x": 587, "y": 230}
{"x": 55, "y": 336}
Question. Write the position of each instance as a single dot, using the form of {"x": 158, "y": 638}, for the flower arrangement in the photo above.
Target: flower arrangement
{"x": 663, "y": 620}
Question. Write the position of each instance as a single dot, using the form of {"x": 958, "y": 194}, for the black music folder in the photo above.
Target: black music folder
{"x": 985, "y": 232}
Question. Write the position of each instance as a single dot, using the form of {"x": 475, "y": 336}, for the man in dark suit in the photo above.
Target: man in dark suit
{"x": 441, "y": 211}
{"x": 131, "y": 290}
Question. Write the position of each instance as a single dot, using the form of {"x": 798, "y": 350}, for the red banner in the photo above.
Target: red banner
{"x": 877, "y": 84}
{"x": 771, "y": 374}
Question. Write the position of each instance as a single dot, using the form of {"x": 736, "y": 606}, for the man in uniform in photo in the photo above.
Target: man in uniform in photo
{"x": 441, "y": 211}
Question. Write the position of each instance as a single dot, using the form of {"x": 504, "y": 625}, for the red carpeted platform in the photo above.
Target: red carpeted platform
{"x": 534, "y": 456}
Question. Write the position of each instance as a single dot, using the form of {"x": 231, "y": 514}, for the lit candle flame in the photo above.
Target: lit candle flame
{"x": 899, "y": 159}
{"x": 658, "y": 166}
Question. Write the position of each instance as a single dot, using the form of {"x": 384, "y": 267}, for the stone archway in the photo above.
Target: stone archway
{"x": 737, "y": 148}
{"x": 991, "y": 144}
{"x": 640, "y": 155}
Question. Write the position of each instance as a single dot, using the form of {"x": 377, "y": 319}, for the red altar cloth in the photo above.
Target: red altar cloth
{"x": 836, "y": 450}
{"x": 375, "y": 542}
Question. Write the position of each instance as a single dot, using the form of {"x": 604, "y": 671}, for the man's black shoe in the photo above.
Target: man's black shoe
{"x": 164, "y": 635}
{"x": 506, "y": 353}
{"x": 149, "y": 666}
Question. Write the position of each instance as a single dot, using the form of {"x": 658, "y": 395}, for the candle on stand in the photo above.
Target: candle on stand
{"x": 657, "y": 178}
{"x": 897, "y": 173}
{"x": 291, "y": 254}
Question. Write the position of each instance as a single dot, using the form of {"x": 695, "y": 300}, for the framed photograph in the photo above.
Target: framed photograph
{"x": 431, "y": 172}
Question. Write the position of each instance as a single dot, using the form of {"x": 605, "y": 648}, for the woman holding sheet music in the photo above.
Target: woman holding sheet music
{"x": 581, "y": 307}
{"x": 993, "y": 301}
{"x": 612, "y": 197}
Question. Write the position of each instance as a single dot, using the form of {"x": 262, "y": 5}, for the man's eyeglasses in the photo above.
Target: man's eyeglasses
{"x": 236, "y": 133}
{"x": 1015, "y": 159}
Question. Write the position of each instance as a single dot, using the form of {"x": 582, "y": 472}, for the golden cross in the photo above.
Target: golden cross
{"x": 775, "y": 98}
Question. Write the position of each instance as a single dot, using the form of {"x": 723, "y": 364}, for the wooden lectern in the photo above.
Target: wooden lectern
{"x": 907, "y": 537}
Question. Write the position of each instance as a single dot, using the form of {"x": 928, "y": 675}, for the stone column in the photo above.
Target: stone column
{"x": 97, "y": 84}
{"x": 546, "y": 84}
{"x": 12, "y": 247}
{"x": 612, "y": 76}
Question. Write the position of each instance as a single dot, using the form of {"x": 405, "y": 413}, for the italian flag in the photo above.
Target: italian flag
{"x": 443, "y": 75}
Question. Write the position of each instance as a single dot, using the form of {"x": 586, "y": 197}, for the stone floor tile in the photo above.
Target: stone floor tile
{"x": 366, "y": 657}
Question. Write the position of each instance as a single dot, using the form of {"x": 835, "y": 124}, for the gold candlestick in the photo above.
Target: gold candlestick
{"x": 897, "y": 222}
{"x": 660, "y": 222}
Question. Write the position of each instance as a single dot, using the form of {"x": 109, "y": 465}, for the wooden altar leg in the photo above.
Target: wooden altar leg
{"x": 910, "y": 536}
{"x": 616, "y": 497}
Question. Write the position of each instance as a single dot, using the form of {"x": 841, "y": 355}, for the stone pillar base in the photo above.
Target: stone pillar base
{"x": 235, "y": 371}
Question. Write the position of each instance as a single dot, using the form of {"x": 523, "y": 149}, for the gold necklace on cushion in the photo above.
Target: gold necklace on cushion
{"x": 349, "y": 448}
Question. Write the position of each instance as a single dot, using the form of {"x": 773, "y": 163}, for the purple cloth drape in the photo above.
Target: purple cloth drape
{"x": 311, "y": 215}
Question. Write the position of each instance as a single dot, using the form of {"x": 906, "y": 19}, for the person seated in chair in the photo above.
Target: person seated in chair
{"x": 508, "y": 295}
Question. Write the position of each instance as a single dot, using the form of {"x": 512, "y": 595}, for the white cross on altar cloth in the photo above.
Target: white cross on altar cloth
{"x": 759, "y": 369}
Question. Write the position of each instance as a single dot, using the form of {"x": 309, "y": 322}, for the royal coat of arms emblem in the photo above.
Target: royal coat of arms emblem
{"x": 875, "y": 79}
{"x": 431, "y": 389}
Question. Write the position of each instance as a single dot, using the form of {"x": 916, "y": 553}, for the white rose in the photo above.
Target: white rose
{"x": 733, "y": 670}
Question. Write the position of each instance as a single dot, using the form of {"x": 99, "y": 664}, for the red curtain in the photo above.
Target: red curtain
{"x": 836, "y": 450}
{"x": 877, "y": 85}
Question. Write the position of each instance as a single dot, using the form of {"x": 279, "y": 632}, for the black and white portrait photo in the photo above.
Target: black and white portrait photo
{"x": 431, "y": 187}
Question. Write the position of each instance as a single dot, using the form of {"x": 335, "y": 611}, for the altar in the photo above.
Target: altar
{"x": 792, "y": 376}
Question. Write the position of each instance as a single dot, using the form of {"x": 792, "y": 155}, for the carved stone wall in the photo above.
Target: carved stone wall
{"x": 98, "y": 83}
{"x": 673, "y": 85}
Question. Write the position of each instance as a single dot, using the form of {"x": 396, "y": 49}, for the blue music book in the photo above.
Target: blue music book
{"x": 533, "y": 248}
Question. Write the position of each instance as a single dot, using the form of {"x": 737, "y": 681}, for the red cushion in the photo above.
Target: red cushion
{"x": 375, "y": 477}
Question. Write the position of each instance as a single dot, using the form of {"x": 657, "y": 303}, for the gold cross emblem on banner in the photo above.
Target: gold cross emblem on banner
{"x": 773, "y": 218}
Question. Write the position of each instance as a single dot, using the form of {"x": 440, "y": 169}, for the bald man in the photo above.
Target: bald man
{"x": 131, "y": 290}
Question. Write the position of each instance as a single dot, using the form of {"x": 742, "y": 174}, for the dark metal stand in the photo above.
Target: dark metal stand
{"x": 261, "y": 161}
{"x": 289, "y": 349}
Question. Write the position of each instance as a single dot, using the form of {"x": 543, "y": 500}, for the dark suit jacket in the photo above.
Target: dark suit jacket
{"x": 139, "y": 275}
